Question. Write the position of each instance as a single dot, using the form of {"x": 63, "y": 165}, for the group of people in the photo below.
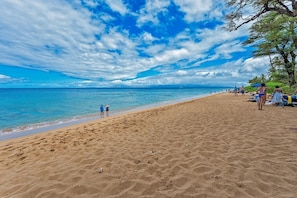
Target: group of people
{"x": 102, "y": 111}
{"x": 277, "y": 97}
{"x": 239, "y": 90}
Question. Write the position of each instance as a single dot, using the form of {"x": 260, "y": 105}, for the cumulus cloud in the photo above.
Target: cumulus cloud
{"x": 195, "y": 10}
{"x": 118, "y": 6}
{"x": 149, "y": 13}
{"x": 256, "y": 65}
{"x": 83, "y": 40}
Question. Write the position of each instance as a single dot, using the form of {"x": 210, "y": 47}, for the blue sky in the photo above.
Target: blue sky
{"x": 119, "y": 43}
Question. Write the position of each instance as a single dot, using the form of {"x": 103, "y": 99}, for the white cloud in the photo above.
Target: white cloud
{"x": 68, "y": 38}
{"x": 197, "y": 10}
{"x": 117, "y": 6}
{"x": 151, "y": 10}
{"x": 256, "y": 65}
{"x": 171, "y": 56}
{"x": 228, "y": 74}
{"x": 4, "y": 77}
{"x": 91, "y": 3}
{"x": 192, "y": 7}
{"x": 226, "y": 49}
{"x": 7, "y": 79}
{"x": 37, "y": 30}
{"x": 182, "y": 73}
{"x": 148, "y": 37}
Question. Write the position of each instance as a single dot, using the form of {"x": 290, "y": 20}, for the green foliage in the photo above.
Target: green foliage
{"x": 273, "y": 34}
{"x": 257, "y": 79}
{"x": 289, "y": 90}
{"x": 250, "y": 89}
{"x": 271, "y": 85}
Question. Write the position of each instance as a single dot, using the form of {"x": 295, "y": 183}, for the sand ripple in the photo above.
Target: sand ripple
{"x": 218, "y": 146}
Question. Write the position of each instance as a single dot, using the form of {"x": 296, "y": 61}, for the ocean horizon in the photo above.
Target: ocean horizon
{"x": 32, "y": 110}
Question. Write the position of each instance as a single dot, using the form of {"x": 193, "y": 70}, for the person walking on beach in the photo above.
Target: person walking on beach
{"x": 107, "y": 110}
{"x": 262, "y": 96}
{"x": 101, "y": 111}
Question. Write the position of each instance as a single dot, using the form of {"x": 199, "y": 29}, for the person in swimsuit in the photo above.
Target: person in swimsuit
{"x": 262, "y": 96}
{"x": 265, "y": 94}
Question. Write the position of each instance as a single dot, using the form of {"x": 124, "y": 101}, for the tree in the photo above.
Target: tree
{"x": 257, "y": 79}
{"x": 275, "y": 35}
{"x": 277, "y": 39}
{"x": 277, "y": 72}
{"x": 245, "y": 11}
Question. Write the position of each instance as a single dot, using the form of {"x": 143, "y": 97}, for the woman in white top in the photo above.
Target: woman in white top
{"x": 277, "y": 96}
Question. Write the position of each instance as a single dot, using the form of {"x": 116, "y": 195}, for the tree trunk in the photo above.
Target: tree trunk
{"x": 289, "y": 66}
{"x": 292, "y": 69}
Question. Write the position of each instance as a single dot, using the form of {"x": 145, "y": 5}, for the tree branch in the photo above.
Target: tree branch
{"x": 251, "y": 19}
{"x": 284, "y": 6}
{"x": 294, "y": 5}
{"x": 280, "y": 7}
{"x": 285, "y": 10}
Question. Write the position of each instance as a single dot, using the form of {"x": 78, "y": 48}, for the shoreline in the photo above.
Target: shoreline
{"x": 20, "y": 113}
{"x": 217, "y": 146}
{"x": 23, "y": 131}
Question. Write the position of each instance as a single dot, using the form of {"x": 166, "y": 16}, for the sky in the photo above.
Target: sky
{"x": 122, "y": 43}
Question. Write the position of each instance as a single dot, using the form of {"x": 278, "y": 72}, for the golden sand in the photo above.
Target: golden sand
{"x": 217, "y": 146}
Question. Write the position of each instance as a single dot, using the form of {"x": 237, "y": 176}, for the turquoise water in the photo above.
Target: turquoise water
{"x": 22, "y": 109}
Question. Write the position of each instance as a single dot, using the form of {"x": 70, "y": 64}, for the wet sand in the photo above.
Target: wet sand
{"x": 217, "y": 146}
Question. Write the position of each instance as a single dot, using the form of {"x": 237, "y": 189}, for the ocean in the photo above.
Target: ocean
{"x": 32, "y": 110}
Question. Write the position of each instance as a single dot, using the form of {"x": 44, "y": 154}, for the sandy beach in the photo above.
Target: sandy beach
{"x": 216, "y": 146}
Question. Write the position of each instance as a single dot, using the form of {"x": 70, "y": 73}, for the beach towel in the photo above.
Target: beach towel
{"x": 289, "y": 99}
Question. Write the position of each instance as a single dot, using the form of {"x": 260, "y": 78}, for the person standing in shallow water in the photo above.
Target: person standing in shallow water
{"x": 107, "y": 110}
{"x": 101, "y": 111}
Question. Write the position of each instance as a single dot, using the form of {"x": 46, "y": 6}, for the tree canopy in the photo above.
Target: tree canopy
{"x": 273, "y": 32}
{"x": 245, "y": 11}
{"x": 275, "y": 35}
